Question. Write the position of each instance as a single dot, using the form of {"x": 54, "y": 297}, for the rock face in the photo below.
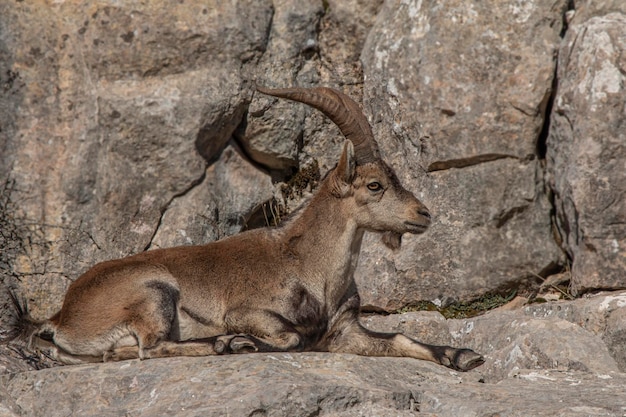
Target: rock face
{"x": 130, "y": 126}
{"x": 307, "y": 384}
{"x": 114, "y": 113}
{"x": 459, "y": 113}
{"x": 116, "y": 118}
{"x": 587, "y": 151}
{"x": 580, "y": 335}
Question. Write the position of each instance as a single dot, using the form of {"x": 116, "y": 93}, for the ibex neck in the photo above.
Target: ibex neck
{"x": 325, "y": 241}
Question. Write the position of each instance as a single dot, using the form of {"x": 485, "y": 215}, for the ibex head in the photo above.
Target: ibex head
{"x": 380, "y": 203}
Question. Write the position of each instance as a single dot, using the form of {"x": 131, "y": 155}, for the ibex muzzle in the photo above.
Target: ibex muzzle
{"x": 287, "y": 288}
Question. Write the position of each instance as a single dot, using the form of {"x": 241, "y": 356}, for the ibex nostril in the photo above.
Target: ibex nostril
{"x": 424, "y": 212}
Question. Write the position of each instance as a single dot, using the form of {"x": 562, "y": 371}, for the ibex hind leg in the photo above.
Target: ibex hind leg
{"x": 150, "y": 321}
{"x": 163, "y": 349}
{"x": 200, "y": 347}
{"x": 47, "y": 348}
{"x": 361, "y": 341}
{"x": 147, "y": 319}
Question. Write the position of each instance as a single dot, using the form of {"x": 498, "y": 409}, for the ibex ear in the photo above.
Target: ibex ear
{"x": 346, "y": 168}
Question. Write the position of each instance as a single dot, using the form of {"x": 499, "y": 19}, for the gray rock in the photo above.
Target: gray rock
{"x": 466, "y": 82}
{"x": 510, "y": 342}
{"x": 488, "y": 234}
{"x": 580, "y": 335}
{"x": 586, "y": 9}
{"x": 601, "y": 314}
{"x": 590, "y": 312}
{"x": 272, "y": 135}
{"x": 587, "y": 152}
{"x": 615, "y": 335}
{"x": 218, "y": 206}
{"x": 114, "y": 112}
{"x": 531, "y": 392}
{"x": 305, "y": 384}
{"x": 344, "y": 29}
{"x": 457, "y": 95}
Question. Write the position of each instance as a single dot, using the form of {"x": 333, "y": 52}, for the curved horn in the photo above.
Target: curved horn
{"x": 342, "y": 110}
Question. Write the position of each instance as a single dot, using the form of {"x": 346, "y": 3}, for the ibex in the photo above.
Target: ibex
{"x": 287, "y": 288}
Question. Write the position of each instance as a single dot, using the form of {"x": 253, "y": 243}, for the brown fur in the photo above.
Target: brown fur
{"x": 285, "y": 288}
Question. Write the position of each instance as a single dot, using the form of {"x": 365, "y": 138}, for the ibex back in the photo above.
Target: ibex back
{"x": 287, "y": 288}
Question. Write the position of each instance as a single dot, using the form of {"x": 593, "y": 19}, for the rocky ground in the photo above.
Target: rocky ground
{"x": 562, "y": 358}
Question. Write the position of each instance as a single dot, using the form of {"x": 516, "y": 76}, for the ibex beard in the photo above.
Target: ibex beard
{"x": 288, "y": 288}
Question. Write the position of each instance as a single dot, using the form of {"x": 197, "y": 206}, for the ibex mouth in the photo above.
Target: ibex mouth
{"x": 415, "y": 228}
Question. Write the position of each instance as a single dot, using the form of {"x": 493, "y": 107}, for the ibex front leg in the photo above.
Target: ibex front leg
{"x": 349, "y": 336}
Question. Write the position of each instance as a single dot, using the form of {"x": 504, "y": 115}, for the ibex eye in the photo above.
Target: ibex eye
{"x": 374, "y": 186}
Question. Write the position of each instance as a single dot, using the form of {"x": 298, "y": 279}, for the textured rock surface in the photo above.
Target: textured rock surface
{"x": 587, "y": 151}
{"x": 307, "y": 384}
{"x": 112, "y": 109}
{"x": 219, "y": 206}
{"x": 580, "y": 335}
{"x": 273, "y": 135}
{"x": 541, "y": 360}
{"x": 116, "y": 115}
{"x": 459, "y": 112}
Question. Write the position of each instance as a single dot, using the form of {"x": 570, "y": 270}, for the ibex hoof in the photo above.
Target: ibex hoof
{"x": 234, "y": 344}
{"x": 220, "y": 345}
{"x": 120, "y": 354}
{"x": 461, "y": 359}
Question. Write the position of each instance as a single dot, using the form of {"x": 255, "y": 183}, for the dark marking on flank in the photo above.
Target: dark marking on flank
{"x": 168, "y": 299}
{"x": 309, "y": 316}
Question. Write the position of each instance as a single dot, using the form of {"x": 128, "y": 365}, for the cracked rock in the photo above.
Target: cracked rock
{"x": 115, "y": 98}
{"x": 587, "y": 151}
{"x": 457, "y": 95}
{"x": 216, "y": 207}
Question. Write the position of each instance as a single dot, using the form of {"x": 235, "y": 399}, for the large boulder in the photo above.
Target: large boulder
{"x": 272, "y": 135}
{"x": 219, "y": 206}
{"x": 581, "y": 335}
{"x": 457, "y": 95}
{"x": 587, "y": 151}
{"x": 305, "y": 384}
{"x": 113, "y": 111}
